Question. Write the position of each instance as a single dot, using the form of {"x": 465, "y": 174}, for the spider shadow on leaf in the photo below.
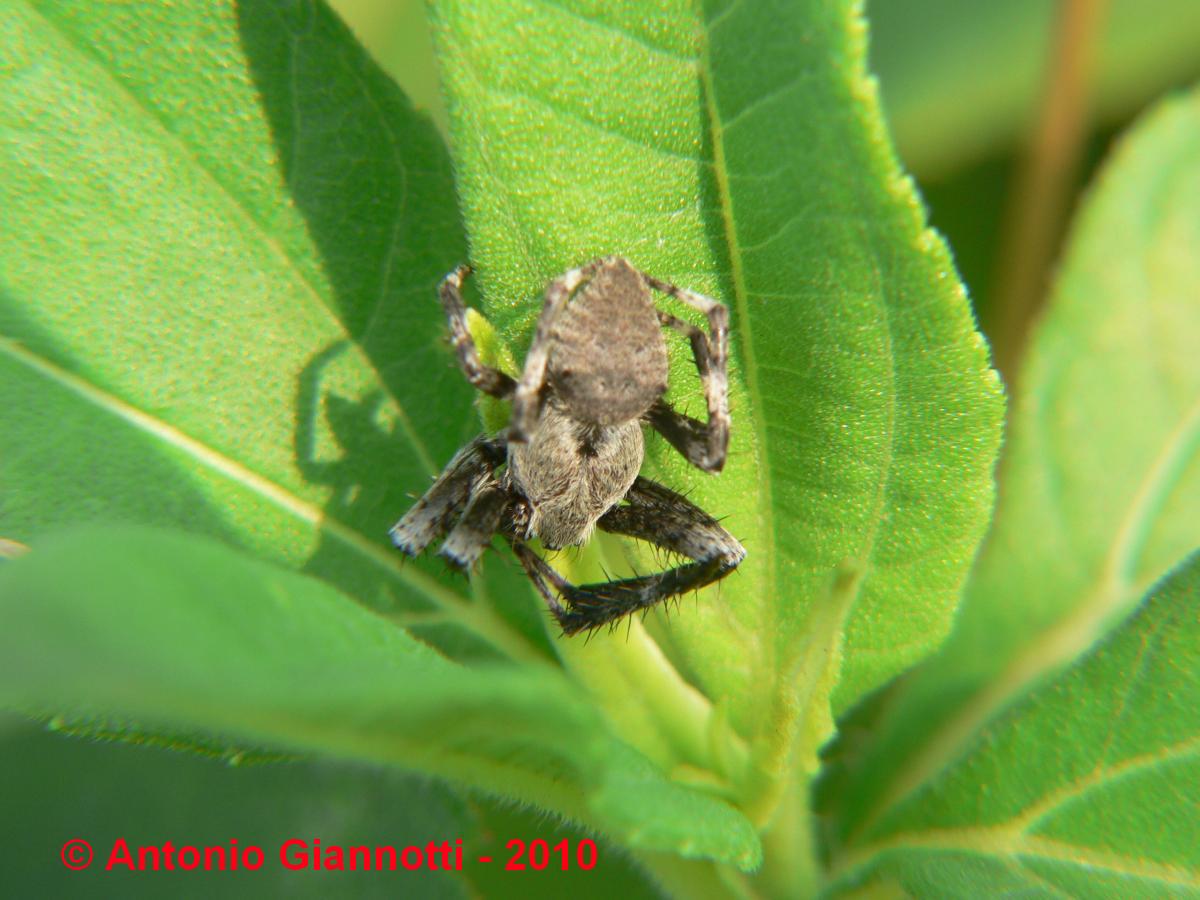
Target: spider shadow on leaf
{"x": 372, "y": 225}
{"x": 362, "y": 499}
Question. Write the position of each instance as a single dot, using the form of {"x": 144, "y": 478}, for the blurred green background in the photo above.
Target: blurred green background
{"x": 961, "y": 84}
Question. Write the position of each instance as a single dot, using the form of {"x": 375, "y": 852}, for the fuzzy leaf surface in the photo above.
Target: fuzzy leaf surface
{"x": 1100, "y": 486}
{"x": 212, "y": 269}
{"x": 756, "y": 171}
{"x": 1085, "y": 788}
{"x": 131, "y": 630}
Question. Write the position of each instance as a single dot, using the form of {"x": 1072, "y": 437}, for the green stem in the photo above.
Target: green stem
{"x": 805, "y": 717}
{"x": 651, "y": 705}
{"x": 790, "y": 867}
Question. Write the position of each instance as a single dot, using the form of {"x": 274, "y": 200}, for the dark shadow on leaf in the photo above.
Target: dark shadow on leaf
{"x": 372, "y": 179}
{"x": 356, "y": 489}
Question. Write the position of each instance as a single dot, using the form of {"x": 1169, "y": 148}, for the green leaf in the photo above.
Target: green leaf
{"x": 963, "y": 79}
{"x": 216, "y": 299}
{"x": 757, "y": 171}
{"x": 1087, "y": 787}
{"x": 133, "y": 630}
{"x": 1101, "y": 482}
{"x": 216, "y": 314}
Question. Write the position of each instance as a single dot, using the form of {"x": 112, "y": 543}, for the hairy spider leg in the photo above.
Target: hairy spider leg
{"x": 704, "y": 446}
{"x": 431, "y": 516}
{"x": 485, "y": 378}
{"x": 526, "y": 404}
{"x": 538, "y": 571}
{"x": 655, "y": 514}
{"x": 478, "y": 525}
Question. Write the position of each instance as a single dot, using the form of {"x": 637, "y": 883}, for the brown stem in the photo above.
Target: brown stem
{"x": 1040, "y": 199}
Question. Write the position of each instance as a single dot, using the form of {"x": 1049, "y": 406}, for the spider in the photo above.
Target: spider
{"x": 595, "y": 373}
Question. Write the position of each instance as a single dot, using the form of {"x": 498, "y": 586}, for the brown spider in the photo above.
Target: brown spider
{"x": 595, "y": 373}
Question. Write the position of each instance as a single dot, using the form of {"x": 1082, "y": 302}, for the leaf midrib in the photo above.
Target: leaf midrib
{"x": 749, "y": 370}
{"x": 1005, "y": 846}
{"x": 1013, "y": 837}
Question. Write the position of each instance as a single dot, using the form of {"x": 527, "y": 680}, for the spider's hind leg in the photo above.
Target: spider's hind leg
{"x": 539, "y": 572}
{"x": 431, "y": 516}
{"x": 655, "y": 514}
{"x": 704, "y": 445}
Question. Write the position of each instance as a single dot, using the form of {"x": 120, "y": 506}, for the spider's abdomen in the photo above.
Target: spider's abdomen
{"x": 572, "y": 473}
{"x": 608, "y": 363}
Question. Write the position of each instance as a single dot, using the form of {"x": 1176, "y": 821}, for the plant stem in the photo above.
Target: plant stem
{"x": 1039, "y": 202}
{"x": 805, "y": 715}
{"x": 649, "y": 703}
{"x": 789, "y": 859}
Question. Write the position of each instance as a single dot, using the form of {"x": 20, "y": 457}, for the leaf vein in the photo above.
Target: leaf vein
{"x": 1102, "y": 776}
{"x": 760, "y": 101}
{"x": 478, "y": 620}
{"x": 580, "y": 118}
{"x": 578, "y": 16}
{"x": 1059, "y": 644}
{"x": 767, "y": 658}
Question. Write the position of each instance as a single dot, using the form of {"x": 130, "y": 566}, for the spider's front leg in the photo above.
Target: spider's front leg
{"x": 656, "y": 514}
{"x": 460, "y": 482}
{"x": 479, "y": 523}
{"x": 703, "y": 445}
{"x": 528, "y": 395}
{"x": 485, "y": 378}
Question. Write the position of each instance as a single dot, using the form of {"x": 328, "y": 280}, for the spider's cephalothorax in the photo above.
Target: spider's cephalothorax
{"x": 595, "y": 373}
